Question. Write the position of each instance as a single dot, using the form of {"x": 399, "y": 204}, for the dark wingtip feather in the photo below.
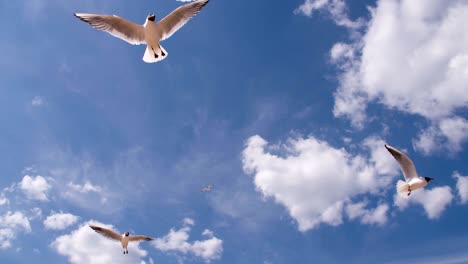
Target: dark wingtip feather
{"x": 95, "y": 228}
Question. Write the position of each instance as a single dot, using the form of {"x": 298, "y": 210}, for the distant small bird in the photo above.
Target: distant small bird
{"x": 207, "y": 188}
{"x": 413, "y": 181}
{"x": 150, "y": 33}
{"x": 123, "y": 239}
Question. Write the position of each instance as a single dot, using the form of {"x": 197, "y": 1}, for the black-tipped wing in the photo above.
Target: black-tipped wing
{"x": 116, "y": 26}
{"x": 175, "y": 20}
{"x": 106, "y": 232}
{"x": 406, "y": 165}
{"x": 139, "y": 238}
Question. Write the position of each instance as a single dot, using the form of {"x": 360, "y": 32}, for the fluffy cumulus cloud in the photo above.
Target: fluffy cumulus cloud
{"x": 84, "y": 246}
{"x": 10, "y": 225}
{"x": 35, "y": 188}
{"x": 177, "y": 241}
{"x": 434, "y": 201}
{"x": 450, "y": 133}
{"x": 462, "y": 187}
{"x": 315, "y": 181}
{"x": 368, "y": 216}
{"x": 60, "y": 221}
{"x": 336, "y": 8}
{"x": 406, "y": 60}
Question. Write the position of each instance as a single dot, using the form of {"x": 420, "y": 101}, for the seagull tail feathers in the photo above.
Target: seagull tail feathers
{"x": 154, "y": 54}
{"x": 402, "y": 187}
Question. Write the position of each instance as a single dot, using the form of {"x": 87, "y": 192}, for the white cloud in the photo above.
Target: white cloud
{"x": 208, "y": 233}
{"x": 85, "y": 188}
{"x": 434, "y": 201}
{"x": 35, "y": 188}
{"x": 60, "y": 221}
{"x": 84, "y": 246}
{"x": 36, "y": 213}
{"x": 16, "y": 220}
{"x": 449, "y": 133}
{"x": 6, "y": 236}
{"x": 177, "y": 241}
{"x": 37, "y": 101}
{"x": 336, "y": 8}
{"x": 3, "y": 200}
{"x": 407, "y": 61}
{"x": 314, "y": 180}
{"x": 462, "y": 187}
{"x": 10, "y": 225}
{"x": 189, "y": 221}
{"x": 377, "y": 215}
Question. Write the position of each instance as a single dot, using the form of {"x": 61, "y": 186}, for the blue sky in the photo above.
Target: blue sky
{"x": 283, "y": 105}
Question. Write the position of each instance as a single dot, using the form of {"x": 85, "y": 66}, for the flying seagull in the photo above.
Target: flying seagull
{"x": 207, "y": 188}
{"x": 412, "y": 180}
{"x": 150, "y": 33}
{"x": 123, "y": 239}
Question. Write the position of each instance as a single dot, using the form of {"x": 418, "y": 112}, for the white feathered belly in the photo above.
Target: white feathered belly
{"x": 154, "y": 52}
{"x": 416, "y": 184}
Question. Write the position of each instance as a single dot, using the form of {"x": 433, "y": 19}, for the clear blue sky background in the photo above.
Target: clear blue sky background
{"x": 152, "y": 135}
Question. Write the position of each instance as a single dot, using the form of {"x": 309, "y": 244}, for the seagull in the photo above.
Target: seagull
{"x": 123, "y": 239}
{"x": 207, "y": 188}
{"x": 150, "y": 33}
{"x": 413, "y": 180}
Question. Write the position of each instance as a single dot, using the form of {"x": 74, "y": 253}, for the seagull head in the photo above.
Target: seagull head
{"x": 151, "y": 17}
{"x": 428, "y": 179}
{"x": 127, "y": 233}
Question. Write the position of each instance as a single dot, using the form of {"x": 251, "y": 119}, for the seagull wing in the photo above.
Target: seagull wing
{"x": 116, "y": 26}
{"x": 175, "y": 20}
{"x": 406, "y": 165}
{"x": 106, "y": 232}
{"x": 139, "y": 238}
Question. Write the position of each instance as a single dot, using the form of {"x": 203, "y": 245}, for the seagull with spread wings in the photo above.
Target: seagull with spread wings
{"x": 412, "y": 180}
{"x": 150, "y": 33}
{"x": 207, "y": 188}
{"x": 124, "y": 239}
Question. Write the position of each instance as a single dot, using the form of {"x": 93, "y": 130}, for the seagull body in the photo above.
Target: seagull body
{"x": 124, "y": 239}
{"x": 150, "y": 33}
{"x": 207, "y": 188}
{"x": 412, "y": 180}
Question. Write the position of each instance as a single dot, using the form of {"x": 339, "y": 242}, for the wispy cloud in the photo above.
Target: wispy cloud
{"x": 462, "y": 187}
{"x": 336, "y": 8}
{"x": 37, "y": 101}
